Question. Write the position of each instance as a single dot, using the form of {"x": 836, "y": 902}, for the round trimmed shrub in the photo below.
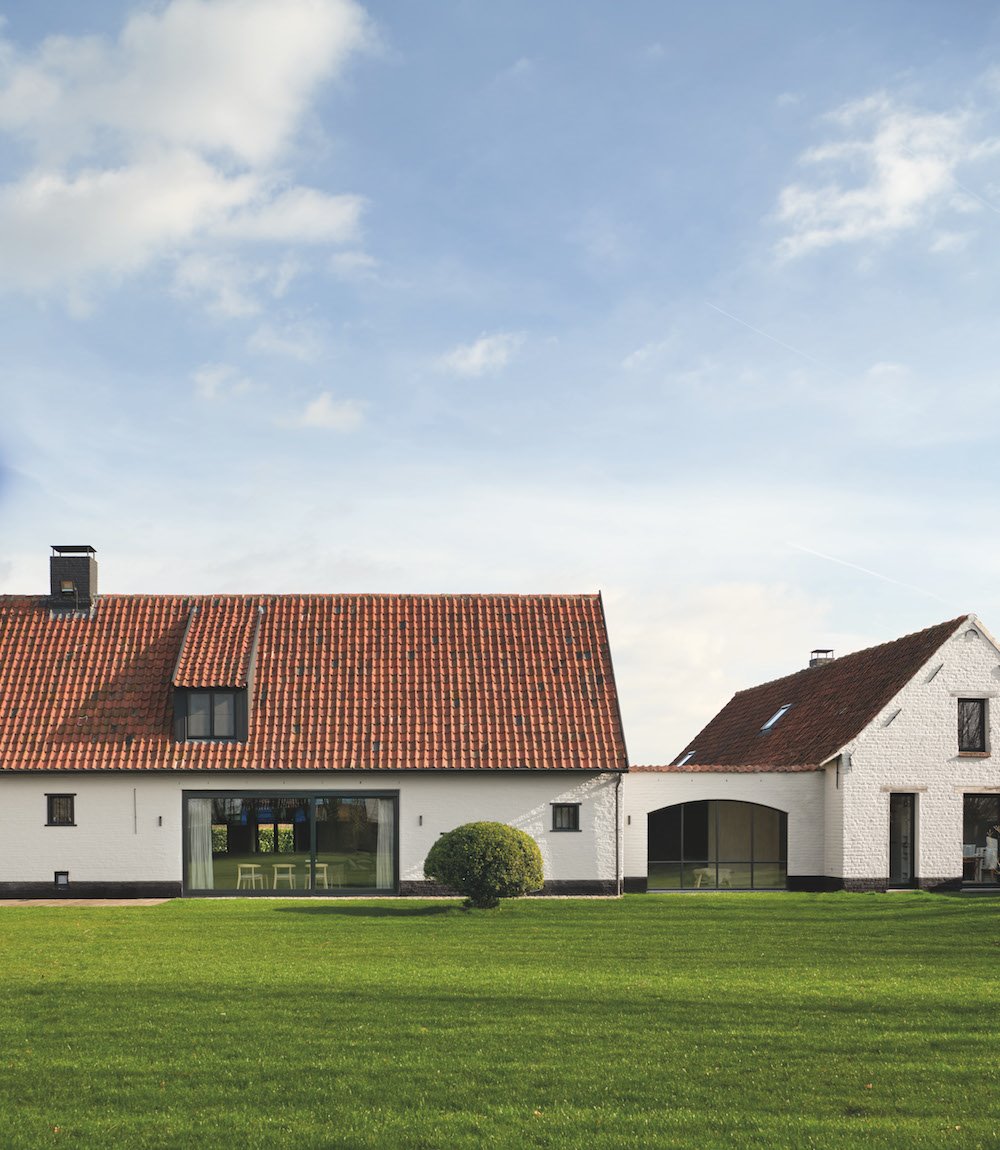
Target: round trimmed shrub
{"x": 486, "y": 862}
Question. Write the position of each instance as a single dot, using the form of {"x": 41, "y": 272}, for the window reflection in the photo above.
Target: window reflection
{"x": 717, "y": 844}
{"x": 280, "y": 843}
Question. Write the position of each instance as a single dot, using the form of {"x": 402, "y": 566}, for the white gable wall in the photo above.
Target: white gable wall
{"x": 917, "y": 752}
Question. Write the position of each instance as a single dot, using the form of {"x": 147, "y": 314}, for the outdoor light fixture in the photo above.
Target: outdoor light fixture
{"x": 62, "y": 879}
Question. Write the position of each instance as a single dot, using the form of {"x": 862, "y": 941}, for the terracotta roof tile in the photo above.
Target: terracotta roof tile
{"x": 829, "y": 705}
{"x": 342, "y": 682}
{"x": 217, "y": 641}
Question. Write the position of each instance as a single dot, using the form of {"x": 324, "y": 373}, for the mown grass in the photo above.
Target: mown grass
{"x": 670, "y": 1021}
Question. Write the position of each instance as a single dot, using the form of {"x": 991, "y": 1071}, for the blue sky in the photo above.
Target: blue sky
{"x": 690, "y": 303}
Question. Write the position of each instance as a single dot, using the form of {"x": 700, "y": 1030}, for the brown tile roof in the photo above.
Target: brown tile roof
{"x": 708, "y": 768}
{"x": 342, "y": 682}
{"x": 830, "y": 704}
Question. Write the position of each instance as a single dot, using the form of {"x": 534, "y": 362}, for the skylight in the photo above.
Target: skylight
{"x": 769, "y": 725}
{"x": 687, "y": 759}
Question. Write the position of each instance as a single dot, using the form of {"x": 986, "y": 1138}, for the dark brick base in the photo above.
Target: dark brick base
{"x": 882, "y": 884}
{"x": 942, "y": 884}
{"x": 638, "y": 884}
{"x": 90, "y": 890}
{"x": 814, "y": 882}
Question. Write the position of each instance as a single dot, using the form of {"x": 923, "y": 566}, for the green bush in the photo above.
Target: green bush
{"x": 486, "y": 862}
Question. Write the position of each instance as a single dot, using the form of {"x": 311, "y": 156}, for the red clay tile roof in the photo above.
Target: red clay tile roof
{"x": 830, "y": 704}
{"x": 342, "y": 682}
{"x": 216, "y": 648}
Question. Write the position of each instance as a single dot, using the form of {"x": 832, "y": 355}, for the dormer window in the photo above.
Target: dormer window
{"x": 211, "y": 715}
{"x": 215, "y": 714}
{"x": 774, "y": 719}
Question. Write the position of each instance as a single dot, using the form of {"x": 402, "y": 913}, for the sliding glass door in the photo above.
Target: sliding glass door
{"x": 319, "y": 843}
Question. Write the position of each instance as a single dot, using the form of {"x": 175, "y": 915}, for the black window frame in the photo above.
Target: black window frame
{"x": 972, "y": 742}
{"x": 182, "y": 706}
{"x": 51, "y": 803}
{"x": 571, "y": 810}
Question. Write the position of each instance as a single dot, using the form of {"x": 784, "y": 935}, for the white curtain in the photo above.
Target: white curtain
{"x": 201, "y": 874}
{"x": 382, "y": 811}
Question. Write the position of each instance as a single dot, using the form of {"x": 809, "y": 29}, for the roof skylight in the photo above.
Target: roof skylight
{"x": 782, "y": 710}
{"x": 687, "y": 759}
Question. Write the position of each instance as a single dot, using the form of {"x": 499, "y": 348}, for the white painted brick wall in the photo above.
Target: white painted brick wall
{"x": 118, "y": 837}
{"x": 799, "y": 794}
{"x": 918, "y": 752}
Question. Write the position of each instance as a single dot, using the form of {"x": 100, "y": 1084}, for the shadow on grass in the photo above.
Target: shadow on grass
{"x": 372, "y": 911}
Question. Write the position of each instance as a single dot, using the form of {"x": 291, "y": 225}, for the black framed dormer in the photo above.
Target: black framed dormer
{"x": 210, "y": 714}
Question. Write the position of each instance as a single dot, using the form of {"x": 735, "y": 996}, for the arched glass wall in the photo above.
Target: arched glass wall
{"x": 717, "y": 844}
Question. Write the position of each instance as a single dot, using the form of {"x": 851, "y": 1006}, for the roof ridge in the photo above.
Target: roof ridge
{"x": 858, "y": 653}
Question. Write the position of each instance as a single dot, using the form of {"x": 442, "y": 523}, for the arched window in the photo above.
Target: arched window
{"x": 717, "y": 844}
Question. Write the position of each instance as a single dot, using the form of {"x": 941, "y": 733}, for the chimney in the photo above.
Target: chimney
{"x": 820, "y": 656}
{"x": 73, "y": 577}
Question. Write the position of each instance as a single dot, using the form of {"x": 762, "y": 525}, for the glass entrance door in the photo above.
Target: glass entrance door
{"x": 902, "y": 812}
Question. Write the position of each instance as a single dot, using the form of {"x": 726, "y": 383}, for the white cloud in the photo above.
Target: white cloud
{"x": 299, "y": 215}
{"x": 329, "y": 414}
{"x": 352, "y": 265}
{"x": 218, "y": 380}
{"x": 950, "y": 242}
{"x": 645, "y": 356}
{"x": 893, "y": 170}
{"x": 298, "y": 341}
{"x": 225, "y": 285}
{"x": 165, "y": 143}
{"x": 488, "y": 354}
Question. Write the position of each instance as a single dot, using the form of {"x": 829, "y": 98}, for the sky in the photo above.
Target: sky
{"x": 690, "y": 303}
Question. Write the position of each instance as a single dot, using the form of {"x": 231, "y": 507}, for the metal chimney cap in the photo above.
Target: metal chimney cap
{"x": 73, "y": 549}
{"x": 820, "y": 655}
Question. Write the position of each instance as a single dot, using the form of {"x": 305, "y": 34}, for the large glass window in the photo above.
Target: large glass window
{"x": 318, "y": 843}
{"x": 717, "y": 844}
{"x": 981, "y": 839}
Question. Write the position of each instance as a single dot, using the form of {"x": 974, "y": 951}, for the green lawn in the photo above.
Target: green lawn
{"x": 689, "y": 1020}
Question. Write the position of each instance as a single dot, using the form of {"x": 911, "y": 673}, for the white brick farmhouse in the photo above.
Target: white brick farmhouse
{"x": 867, "y": 772}
{"x": 318, "y": 745}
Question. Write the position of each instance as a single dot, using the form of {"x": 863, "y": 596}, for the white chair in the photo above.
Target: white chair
{"x": 249, "y": 874}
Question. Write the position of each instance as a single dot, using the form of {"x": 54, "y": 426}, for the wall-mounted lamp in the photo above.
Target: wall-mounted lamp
{"x": 62, "y": 880}
{"x": 420, "y": 820}
{"x": 628, "y": 819}
{"x": 159, "y": 821}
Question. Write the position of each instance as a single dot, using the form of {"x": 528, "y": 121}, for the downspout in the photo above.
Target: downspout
{"x": 618, "y": 824}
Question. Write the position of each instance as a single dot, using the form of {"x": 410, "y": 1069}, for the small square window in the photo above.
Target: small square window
{"x": 211, "y": 715}
{"x": 59, "y": 810}
{"x": 565, "y": 816}
{"x": 972, "y": 725}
